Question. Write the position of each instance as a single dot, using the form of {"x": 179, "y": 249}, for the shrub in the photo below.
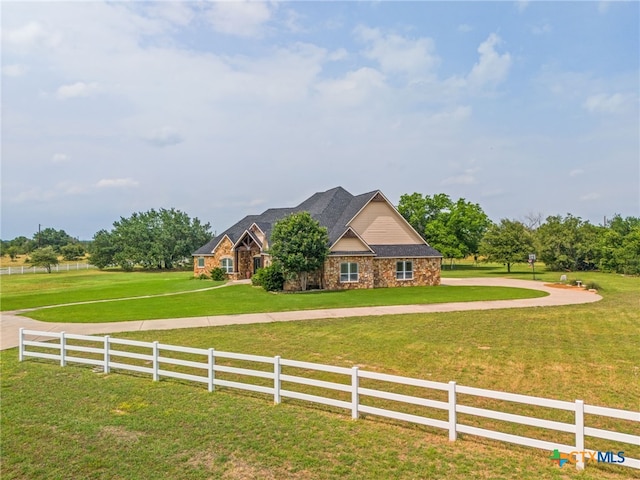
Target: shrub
{"x": 203, "y": 276}
{"x": 592, "y": 286}
{"x": 218, "y": 274}
{"x": 270, "y": 278}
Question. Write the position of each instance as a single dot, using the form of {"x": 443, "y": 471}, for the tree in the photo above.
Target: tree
{"x": 72, "y": 251}
{"x": 455, "y": 229}
{"x": 508, "y": 242}
{"x": 619, "y": 246}
{"x": 13, "y": 252}
{"x": 299, "y": 245}
{"x": 44, "y": 257}
{"x": 568, "y": 243}
{"x": 50, "y": 237}
{"x": 153, "y": 239}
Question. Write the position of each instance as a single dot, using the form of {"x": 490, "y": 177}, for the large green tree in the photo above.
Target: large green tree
{"x": 508, "y": 242}
{"x": 50, "y": 237}
{"x": 619, "y": 246}
{"x": 299, "y": 245}
{"x": 153, "y": 239}
{"x": 568, "y": 243}
{"x": 44, "y": 257}
{"x": 455, "y": 229}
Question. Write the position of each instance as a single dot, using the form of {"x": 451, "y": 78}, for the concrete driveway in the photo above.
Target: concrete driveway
{"x": 11, "y": 322}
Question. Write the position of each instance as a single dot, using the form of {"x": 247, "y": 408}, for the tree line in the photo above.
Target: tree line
{"x": 164, "y": 239}
{"x": 459, "y": 229}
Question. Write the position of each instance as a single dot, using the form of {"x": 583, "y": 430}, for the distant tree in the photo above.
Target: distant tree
{"x": 72, "y": 251}
{"x": 13, "y": 253}
{"x": 44, "y": 257}
{"x": 619, "y": 246}
{"x": 153, "y": 239}
{"x": 50, "y": 237}
{"x": 455, "y": 229}
{"x": 102, "y": 250}
{"x": 508, "y": 242}
{"x": 299, "y": 245}
{"x": 23, "y": 244}
{"x": 568, "y": 243}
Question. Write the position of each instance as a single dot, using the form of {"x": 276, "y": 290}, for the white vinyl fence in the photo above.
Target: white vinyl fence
{"x": 268, "y": 374}
{"x": 54, "y": 268}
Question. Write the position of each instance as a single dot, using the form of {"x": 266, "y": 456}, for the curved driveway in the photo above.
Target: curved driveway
{"x": 10, "y": 322}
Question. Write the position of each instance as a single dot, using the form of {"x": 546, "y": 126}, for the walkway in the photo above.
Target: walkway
{"x": 10, "y": 322}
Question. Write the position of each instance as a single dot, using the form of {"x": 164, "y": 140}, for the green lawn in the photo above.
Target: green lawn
{"x": 74, "y": 423}
{"x": 36, "y": 290}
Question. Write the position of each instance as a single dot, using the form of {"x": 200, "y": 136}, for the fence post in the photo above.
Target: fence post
{"x": 212, "y": 364}
{"x": 580, "y": 434}
{"x": 453, "y": 434}
{"x": 21, "y": 345}
{"x": 156, "y": 373}
{"x": 276, "y": 379}
{"x": 355, "y": 398}
{"x": 63, "y": 342}
{"x": 106, "y": 354}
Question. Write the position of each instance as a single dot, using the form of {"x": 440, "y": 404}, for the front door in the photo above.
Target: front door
{"x": 257, "y": 263}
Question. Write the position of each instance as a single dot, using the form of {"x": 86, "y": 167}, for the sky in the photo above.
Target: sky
{"x": 224, "y": 109}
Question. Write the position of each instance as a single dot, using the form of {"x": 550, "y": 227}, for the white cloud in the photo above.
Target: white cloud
{"x": 31, "y": 35}
{"x": 354, "y": 88}
{"x": 15, "y": 70}
{"x": 78, "y": 89}
{"x": 117, "y": 183}
{"x": 164, "y": 137}
{"x": 522, "y": 5}
{"x": 397, "y": 54}
{"x": 240, "y": 17}
{"x": 603, "y": 103}
{"x": 603, "y": 6}
{"x": 464, "y": 28}
{"x": 60, "y": 158}
{"x": 492, "y": 68}
{"x": 576, "y": 172}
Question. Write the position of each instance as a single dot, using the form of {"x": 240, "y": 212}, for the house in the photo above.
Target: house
{"x": 371, "y": 245}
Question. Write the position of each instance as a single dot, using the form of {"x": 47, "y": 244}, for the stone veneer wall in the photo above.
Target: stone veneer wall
{"x": 245, "y": 262}
{"x": 332, "y": 273}
{"x": 224, "y": 250}
{"x": 426, "y": 272}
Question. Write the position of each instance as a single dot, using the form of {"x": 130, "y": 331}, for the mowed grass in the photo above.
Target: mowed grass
{"x": 237, "y": 299}
{"x": 76, "y": 423}
{"x": 40, "y": 289}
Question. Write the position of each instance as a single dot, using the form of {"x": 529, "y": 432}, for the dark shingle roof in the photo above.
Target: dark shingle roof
{"x": 395, "y": 251}
{"x": 332, "y": 209}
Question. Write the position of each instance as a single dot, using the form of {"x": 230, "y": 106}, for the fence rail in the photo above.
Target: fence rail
{"x": 21, "y": 270}
{"x": 160, "y": 360}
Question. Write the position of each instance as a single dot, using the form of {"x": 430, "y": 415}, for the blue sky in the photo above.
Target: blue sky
{"x": 223, "y": 109}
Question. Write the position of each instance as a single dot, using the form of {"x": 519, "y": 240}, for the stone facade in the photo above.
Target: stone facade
{"x": 426, "y": 271}
{"x": 332, "y": 273}
{"x": 224, "y": 250}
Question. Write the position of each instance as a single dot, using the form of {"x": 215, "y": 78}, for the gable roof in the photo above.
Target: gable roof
{"x": 333, "y": 209}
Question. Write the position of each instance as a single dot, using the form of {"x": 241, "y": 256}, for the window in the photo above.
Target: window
{"x": 348, "y": 272}
{"x": 227, "y": 265}
{"x": 404, "y": 270}
{"x": 200, "y": 262}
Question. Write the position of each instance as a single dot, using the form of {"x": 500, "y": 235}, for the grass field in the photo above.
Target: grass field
{"x": 74, "y": 423}
{"x": 20, "y": 292}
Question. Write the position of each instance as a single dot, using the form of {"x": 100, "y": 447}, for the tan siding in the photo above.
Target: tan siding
{"x": 349, "y": 245}
{"x": 380, "y": 224}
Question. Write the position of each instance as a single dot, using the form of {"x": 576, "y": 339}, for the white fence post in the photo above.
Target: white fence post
{"x": 355, "y": 397}
{"x": 21, "y": 345}
{"x": 580, "y": 434}
{"x": 156, "y": 367}
{"x": 63, "y": 342}
{"x": 106, "y": 354}
{"x": 277, "y": 369}
{"x": 453, "y": 434}
{"x": 211, "y": 372}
